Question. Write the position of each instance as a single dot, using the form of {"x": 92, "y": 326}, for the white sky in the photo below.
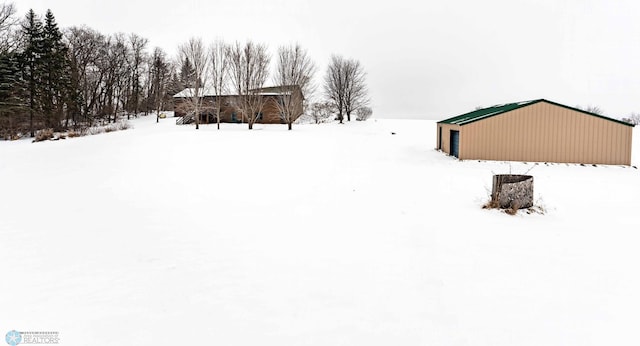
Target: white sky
{"x": 427, "y": 60}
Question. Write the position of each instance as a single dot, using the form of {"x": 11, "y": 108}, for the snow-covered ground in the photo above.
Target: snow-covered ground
{"x": 325, "y": 235}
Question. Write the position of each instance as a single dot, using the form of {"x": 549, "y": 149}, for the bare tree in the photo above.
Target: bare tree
{"x": 345, "y": 85}
{"x": 88, "y": 60}
{"x": 355, "y": 87}
{"x": 236, "y": 72}
{"x": 137, "y": 47}
{"x": 219, "y": 59}
{"x": 591, "y": 109}
{"x": 334, "y": 85}
{"x": 158, "y": 79}
{"x": 195, "y": 52}
{"x": 249, "y": 68}
{"x": 294, "y": 73}
{"x": 634, "y": 119}
{"x": 8, "y": 22}
{"x": 117, "y": 81}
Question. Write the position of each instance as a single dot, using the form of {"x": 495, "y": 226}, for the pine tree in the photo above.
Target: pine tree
{"x": 55, "y": 77}
{"x": 11, "y": 94}
{"x": 187, "y": 74}
{"x": 31, "y": 63}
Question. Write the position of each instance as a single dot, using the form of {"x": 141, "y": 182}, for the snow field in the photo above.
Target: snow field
{"x": 327, "y": 234}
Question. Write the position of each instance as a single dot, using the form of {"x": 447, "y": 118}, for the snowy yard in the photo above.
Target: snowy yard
{"x": 324, "y": 235}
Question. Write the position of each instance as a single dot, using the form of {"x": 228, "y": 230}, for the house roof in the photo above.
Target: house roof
{"x": 191, "y": 92}
{"x": 268, "y": 91}
{"x": 281, "y": 89}
{"x": 484, "y": 113}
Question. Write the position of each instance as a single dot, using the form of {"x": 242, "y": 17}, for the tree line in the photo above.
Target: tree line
{"x": 60, "y": 79}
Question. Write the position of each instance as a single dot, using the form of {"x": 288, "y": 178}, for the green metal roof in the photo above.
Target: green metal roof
{"x": 484, "y": 113}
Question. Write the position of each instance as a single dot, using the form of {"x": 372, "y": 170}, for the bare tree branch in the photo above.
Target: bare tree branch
{"x": 8, "y": 22}
{"x": 294, "y": 75}
{"x": 249, "y": 67}
{"x": 194, "y": 51}
{"x": 220, "y": 63}
{"x": 345, "y": 86}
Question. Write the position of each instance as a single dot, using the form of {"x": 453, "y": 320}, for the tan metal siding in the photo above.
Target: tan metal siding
{"x": 446, "y": 131}
{"x": 544, "y": 132}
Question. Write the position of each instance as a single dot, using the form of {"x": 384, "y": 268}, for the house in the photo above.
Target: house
{"x": 536, "y": 131}
{"x": 231, "y": 110}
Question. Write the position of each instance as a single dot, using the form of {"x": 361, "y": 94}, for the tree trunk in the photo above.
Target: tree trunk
{"x": 31, "y": 122}
{"x": 218, "y": 115}
{"x": 250, "y": 126}
{"x": 289, "y": 126}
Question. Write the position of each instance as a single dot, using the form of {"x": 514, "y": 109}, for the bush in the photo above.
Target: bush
{"x": 363, "y": 113}
{"x": 123, "y": 125}
{"x": 96, "y": 130}
{"x": 320, "y": 112}
{"x": 43, "y": 135}
{"x": 77, "y": 133}
{"x": 537, "y": 208}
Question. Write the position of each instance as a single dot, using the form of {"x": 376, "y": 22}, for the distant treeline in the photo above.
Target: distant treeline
{"x": 61, "y": 79}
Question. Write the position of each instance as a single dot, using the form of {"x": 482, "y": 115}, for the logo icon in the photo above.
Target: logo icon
{"x": 13, "y": 338}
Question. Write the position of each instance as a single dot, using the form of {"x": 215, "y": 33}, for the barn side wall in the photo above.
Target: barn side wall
{"x": 445, "y": 146}
{"x": 545, "y": 132}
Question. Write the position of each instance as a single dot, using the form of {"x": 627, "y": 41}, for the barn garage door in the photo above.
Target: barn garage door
{"x": 455, "y": 143}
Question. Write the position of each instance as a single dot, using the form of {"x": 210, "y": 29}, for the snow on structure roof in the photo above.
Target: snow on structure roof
{"x": 268, "y": 91}
{"x": 191, "y": 92}
{"x": 488, "y": 112}
{"x": 485, "y": 113}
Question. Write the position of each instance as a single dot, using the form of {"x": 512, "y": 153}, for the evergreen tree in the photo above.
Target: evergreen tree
{"x": 55, "y": 76}
{"x": 159, "y": 75}
{"x": 11, "y": 94}
{"x": 31, "y": 63}
{"x": 187, "y": 74}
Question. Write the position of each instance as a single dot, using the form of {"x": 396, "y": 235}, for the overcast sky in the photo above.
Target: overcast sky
{"x": 424, "y": 59}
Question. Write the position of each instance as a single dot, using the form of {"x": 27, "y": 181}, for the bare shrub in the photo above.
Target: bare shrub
{"x": 537, "y": 208}
{"x": 123, "y": 125}
{"x": 363, "y": 113}
{"x": 96, "y": 130}
{"x": 492, "y": 204}
{"x": 320, "y": 112}
{"x": 513, "y": 209}
{"x": 77, "y": 133}
{"x": 43, "y": 135}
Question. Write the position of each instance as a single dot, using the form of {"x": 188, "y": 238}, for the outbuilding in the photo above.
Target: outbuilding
{"x": 536, "y": 131}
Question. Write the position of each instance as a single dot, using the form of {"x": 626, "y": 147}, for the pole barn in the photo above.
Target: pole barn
{"x": 536, "y": 131}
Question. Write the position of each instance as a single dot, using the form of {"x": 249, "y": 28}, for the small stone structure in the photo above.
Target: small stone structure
{"x": 512, "y": 191}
